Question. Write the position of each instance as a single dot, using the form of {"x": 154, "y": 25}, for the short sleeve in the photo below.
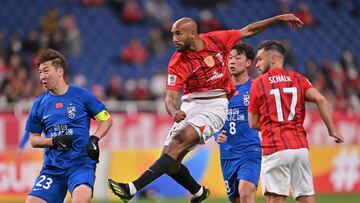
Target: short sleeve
{"x": 33, "y": 123}
{"x": 24, "y": 139}
{"x": 228, "y": 37}
{"x": 254, "y": 101}
{"x": 94, "y": 105}
{"x": 176, "y": 73}
{"x": 306, "y": 84}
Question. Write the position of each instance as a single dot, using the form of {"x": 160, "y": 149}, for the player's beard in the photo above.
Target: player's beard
{"x": 185, "y": 46}
{"x": 265, "y": 69}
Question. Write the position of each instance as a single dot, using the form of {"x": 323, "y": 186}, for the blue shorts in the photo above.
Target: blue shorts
{"x": 234, "y": 170}
{"x": 52, "y": 183}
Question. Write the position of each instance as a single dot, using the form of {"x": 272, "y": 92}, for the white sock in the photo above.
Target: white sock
{"x": 132, "y": 188}
{"x": 199, "y": 193}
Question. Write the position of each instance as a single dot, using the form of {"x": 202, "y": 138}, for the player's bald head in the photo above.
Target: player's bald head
{"x": 185, "y": 24}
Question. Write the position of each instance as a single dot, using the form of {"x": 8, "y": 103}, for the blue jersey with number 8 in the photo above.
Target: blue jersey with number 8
{"x": 240, "y": 137}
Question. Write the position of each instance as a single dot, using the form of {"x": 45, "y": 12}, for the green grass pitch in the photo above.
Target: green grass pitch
{"x": 349, "y": 198}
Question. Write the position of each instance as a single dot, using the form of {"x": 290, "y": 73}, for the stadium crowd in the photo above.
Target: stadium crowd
{"x": 338, "y": 79}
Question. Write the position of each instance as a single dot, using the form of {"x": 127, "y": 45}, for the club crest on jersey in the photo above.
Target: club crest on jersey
{"x": 246, "y": 99}
{"x": 71, "y": 110}
{"x": 209, "y": 60}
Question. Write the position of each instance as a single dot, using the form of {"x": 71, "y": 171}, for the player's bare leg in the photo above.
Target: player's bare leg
{"x": 181, "y": 174}
{"x": 33, "y": 199}
{"x": 247, "y": 191}
{"x": 82, "y": 194}
{"x": 306, "y": 199}
{"x": 186, "y": 138}
{"x": 173, "y": 155}
{"x": 274, "y": 198}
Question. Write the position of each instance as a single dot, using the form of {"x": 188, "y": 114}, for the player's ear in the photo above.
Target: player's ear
{"x": 274, "y": 58}
{"x": 248, "y": 63}
{"x": 61, "y": 70}
{"x": 193, "y": 33}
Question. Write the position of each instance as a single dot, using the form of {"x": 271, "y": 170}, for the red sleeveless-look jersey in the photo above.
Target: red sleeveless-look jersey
{"x": 204, "y": 70}
{"x": 278, "y": 97}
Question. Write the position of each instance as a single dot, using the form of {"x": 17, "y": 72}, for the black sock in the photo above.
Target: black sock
{"x": 161, "y": 166}
{"x": 184, "y": 178}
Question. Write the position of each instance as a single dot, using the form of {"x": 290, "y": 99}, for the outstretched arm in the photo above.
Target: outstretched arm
{"x": 314, "y": 96}
{"x": 257, "y": 27}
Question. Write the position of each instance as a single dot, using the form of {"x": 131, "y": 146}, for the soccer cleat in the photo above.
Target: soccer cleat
{"x": 204, "y": 196}
{"x": 120, "y": 189}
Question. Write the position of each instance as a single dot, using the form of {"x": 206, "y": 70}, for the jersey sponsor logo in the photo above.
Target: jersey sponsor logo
{"x": 171, "y": 80}
{"x": 246, "y": 99}
{"x": 216, "y": 76}
{"x": 234, "y": 114}
{"x": 71, "y": 112}
{"x": 209, "y": 60}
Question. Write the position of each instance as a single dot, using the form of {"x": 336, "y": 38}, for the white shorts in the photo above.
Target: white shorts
{"x": 287, "y": 170}
{"x": 206, "y": 116}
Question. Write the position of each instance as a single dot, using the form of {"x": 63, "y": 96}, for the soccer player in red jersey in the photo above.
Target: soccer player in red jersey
{"x": 199, "y": 67}
{"x": 277, "y": 108}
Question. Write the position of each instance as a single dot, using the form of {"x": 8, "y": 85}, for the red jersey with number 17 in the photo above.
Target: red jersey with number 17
{"x": 204, "y": 73}
{"x": 278, "y": 97}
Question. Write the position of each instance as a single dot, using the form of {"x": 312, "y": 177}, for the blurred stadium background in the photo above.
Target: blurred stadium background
{"x": 120, "y": 48}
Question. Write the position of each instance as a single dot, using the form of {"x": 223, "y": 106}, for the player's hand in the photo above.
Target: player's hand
{"x": 222, "y": 137}
{"x": 338, "y": 138}
{"x": 93, "y": 149}
{"x": 179, "y": 116}
{"x": 291, "y": 20}
{"x": 62, "y": 142}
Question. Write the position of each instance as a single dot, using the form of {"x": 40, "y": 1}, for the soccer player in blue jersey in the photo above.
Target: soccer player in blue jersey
{"x": 240, "y": 149}
{"x": 63, "y": 114}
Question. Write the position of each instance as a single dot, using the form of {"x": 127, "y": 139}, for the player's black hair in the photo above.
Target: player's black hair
{"x": 246, "y": 49}
{"x": 272, "y": 45}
